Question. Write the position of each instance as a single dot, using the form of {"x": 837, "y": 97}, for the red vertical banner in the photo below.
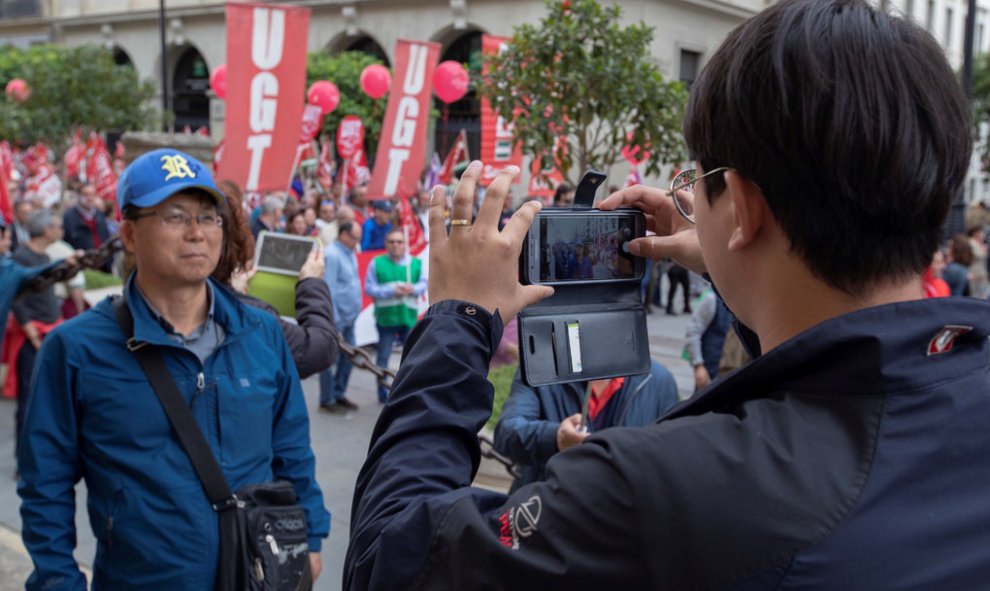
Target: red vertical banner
{"x": 496, "y": 132}
{"x": 402, "y": 145}
{"x": 266, "y": 69}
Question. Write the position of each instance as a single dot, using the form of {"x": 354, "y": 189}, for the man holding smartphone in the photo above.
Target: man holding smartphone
{"x": 831, "y": 138}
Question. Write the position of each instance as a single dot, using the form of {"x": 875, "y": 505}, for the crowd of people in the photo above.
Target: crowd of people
{"x": 866, "y": 407}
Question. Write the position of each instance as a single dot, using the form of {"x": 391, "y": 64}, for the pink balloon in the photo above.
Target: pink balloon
{"x": 218, "y": 81}
{"x": 18, "y": 90}
{"x": 324, "y": 94}
{"x": 375, "y": 81}
{"x": 450, "y": 81}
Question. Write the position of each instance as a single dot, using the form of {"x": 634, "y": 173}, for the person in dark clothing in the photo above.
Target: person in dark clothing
{"x": 850, "y": 456}
{"x": 956, "y": 272}
{"x": 313, "y": 338}
{"x": 85, "y": 224}
{"x": 678, "y": 276}
{"x": 536, "y": 423}
{"x": 35, "y": 314}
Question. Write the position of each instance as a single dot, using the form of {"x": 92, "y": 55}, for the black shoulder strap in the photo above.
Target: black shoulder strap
{"x": 188, "y": 432}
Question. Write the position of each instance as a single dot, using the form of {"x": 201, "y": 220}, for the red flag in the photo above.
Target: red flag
{"x": 496, "y": 133}
{"x": 350, "y": 136}
{"x": 6, "y": 207}
{"x": 312, "y": 121}
{"x": 266, "y": 65}
{"x": 415, "y": 239}
{"x": 217, "y": 157}
{"x": 99, "y": 170}
{"x": 74, "y": 156}
{"x": 356, "y": 170}
{"x": 324, "y": 170}
{"x": 458, "y": 153}
{"x": 402, "y": 144}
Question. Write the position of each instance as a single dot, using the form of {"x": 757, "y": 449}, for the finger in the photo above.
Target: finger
{"x": 438, "y": 205}
{"x": 656, "y": 247}
{"x": 495, "y": 196}
{"x": 520, "y": 222}
{"x": 533, "y": 294}
{"x": 463, "y": 208}
{"x": 640, "y": 196}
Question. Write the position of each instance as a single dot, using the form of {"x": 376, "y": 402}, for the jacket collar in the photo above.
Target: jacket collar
{"x": 870, "y": 352}
{"x": 229, "y": 313}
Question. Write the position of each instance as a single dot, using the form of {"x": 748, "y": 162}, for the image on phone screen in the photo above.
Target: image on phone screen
{"x": 586, "y": 248}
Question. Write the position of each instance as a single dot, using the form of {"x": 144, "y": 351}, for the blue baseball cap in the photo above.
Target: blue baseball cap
{"x": 157, "y": 175}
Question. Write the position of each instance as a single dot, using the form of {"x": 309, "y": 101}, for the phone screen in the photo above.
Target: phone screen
{"x": 586, "y": 248}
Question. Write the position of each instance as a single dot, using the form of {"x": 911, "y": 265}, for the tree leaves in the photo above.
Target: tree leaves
{"x": 582, "y": 77}
{"x": 72, "y": 87}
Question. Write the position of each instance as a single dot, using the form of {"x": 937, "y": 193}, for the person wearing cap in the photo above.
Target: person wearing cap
{"x": 395, "y": 281}
{"x": 378, "y": 226}
{"x": 93, "y": 414}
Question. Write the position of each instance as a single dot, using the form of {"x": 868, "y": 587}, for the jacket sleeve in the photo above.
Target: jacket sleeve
{"x": 292, "y": 454}
{"x": 522, "y": 434}
{"x": 416, "y": 522}
{"x": 313, "y": 341}
{"x": 49, "y": 466}
{"x": 699, "y": 323}
{"x": 373, "y": 288}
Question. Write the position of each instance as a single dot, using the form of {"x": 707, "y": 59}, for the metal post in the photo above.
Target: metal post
{"x": 967, "y": 80}
{"x": 161, "y": 35}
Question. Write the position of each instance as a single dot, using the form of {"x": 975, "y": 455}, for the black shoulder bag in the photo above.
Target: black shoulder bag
{"x": 263, "y": 545}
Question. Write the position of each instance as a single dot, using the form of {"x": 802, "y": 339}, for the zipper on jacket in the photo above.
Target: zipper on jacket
{"x": 200, "y": 386}
{"x": 109, "y": 531}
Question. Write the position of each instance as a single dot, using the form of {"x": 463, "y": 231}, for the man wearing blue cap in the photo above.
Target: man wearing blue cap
{"x": 378, "y": 226}
{"x": 93, "y": 413}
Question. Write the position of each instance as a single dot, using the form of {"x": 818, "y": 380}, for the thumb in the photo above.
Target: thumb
{"x": 532, "y": 294}
{"x": 654, "y": 247}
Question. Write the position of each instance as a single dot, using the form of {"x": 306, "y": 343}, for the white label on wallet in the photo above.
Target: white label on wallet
{"x": 574, "y": 344}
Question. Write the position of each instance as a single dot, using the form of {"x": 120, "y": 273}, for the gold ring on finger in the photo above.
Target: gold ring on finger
{"x": 460, "y": 222}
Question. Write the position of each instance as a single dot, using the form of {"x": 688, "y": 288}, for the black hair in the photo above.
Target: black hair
{"x": 346, "y": 228}
{"x": 852, "y": 124}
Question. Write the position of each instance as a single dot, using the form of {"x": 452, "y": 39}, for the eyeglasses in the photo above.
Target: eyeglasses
{"x": 685, "y": 181}
{"x": 395, "y": 241}
{"x": 177, "y": 218}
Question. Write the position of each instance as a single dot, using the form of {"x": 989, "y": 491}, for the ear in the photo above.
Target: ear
{"x": 749, "y": 210}
{"x": 127, "y": 235}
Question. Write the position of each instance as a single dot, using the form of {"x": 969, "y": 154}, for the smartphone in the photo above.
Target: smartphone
{"x": 568, "y": 246}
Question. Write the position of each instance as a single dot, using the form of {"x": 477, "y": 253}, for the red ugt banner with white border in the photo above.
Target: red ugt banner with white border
{"x": 266, "y": 71}
{"x": 496, "y": 133}
{"x": 402, "y": 145}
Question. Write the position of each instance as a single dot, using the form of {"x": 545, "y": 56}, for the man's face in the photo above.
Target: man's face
{"x": 360, "y": 196}
{"x": 566, "y": 199}
{"x": 87, "y": 197}
{"x": 352, "y": 239}
{"x": 327, "y": 212}
{"x": 381, "y": 216}
{"x": 345, "y": 214}
{"x": 395, "y": 244}
{"x": 4, "y": 241}
{"x": 23, "y": 211}
{"x": 938, "y": 263}
{"x": 55, "y": 231}
{"x": 175, "y": 254}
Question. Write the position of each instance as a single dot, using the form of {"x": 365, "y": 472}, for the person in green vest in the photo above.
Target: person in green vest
{"x": 395, "y": 281}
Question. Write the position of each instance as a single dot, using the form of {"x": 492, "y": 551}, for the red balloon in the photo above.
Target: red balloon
{"x": 375, "y": 81}
{"x": 18, "y": 90}
{"x": 450, "y": 81}
{"x": 218, "y": 81}
{"x": 324, "y": 94}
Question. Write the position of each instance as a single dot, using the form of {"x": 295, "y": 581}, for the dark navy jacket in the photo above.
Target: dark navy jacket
{"x": 527, "y": 430}
{"x": 847, "y": 458}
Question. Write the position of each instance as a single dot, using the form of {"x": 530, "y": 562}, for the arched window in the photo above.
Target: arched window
{"x": 189, "y": 83}
{"x": 465, "y": 114}
{"x": 366, "y": 44}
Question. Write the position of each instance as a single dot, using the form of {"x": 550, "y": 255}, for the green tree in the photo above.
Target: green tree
{"x": 581, "y": 77}
{"x": 344, "y": 69}
{"x": 981, "y": 104}
{"x": 72, "y": 87}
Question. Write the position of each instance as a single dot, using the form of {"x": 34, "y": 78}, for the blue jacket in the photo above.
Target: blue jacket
{"x": 93, "y": 415}
{"x": 852, "y": 457}
{"x": 527, "y": 430}
{"x": 12, "y": 278}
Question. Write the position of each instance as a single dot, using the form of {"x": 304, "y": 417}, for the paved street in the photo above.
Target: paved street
{"x": 340, "y": 442}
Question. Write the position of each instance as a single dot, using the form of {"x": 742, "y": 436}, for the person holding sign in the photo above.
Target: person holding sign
{"x": 395, "y": 281}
